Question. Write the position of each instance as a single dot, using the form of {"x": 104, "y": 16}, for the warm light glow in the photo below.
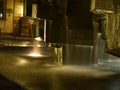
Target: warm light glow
{"x": 24, "y": 45}
{"x": 21, "y": 10}
{"x": 22, "y": 62}
{"x": 38, "y": 39}
{"x": 1, "y": 15}
{"x": 35, "y": 55}
{"x": 38, "y": 45}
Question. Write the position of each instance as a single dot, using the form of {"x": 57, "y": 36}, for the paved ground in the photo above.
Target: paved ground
{"x": 41, "y": 74}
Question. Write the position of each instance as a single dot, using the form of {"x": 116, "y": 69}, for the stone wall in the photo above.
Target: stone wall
{"x": 110, "y": 25}
{"x": 110, "y": 31}
{"x": 113, "y": 33}
{"x": 18, "y": 12}
{"x": 104, "y": 5}
{"x": 7, "y": 24}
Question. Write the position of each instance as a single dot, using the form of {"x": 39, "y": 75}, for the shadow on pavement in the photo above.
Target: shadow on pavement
{"x": 6, "y": 84}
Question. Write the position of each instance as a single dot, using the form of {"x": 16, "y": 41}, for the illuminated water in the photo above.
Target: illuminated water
{"x": 34, "y": 74}
{"x": 35, "y": 52}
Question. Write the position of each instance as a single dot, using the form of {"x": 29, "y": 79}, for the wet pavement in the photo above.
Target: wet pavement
{"x": 44, "y": 74}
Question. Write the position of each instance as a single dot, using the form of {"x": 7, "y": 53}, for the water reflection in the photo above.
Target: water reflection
{"x": 22, "y": 62}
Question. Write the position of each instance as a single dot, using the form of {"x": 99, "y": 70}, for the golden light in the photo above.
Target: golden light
{"x": 38, "y": 45}
{"x": 35, "y": 55}
{"x": 24, "y": 45}
{"x": 1, "y": 15}
{"x": 38, "y": 39}
{"x": 22, "y": 62}
{"x": 21, "y": 10}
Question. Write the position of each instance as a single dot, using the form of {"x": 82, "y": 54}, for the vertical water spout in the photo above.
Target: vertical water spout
{"x": 97, "y": 49}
